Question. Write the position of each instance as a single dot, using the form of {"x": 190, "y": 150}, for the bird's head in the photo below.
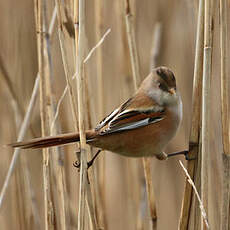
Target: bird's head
{"x": 161, "y": 86}
{"x": 165, "y": 80}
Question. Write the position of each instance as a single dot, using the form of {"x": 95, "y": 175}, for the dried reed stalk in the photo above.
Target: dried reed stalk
{"x": 49, "y": 212}
{"x": 90, "y": 186}
{"x": 61, "y": 33}
{"x": 100, "y": 207}
{"x": 100, "y": 85}
{"x": 28, "y": 189}
{"x": 26, "y": 195}
{"x": 20, "y": 198}
{"x": 84, "y": 188}
{"x": 21, "y": 135}
{"x": 203, "y": 212}
{"x": 66, "y": 69}
{"x": 132, "y": 44}
{"x": 64, "y": 208}
{"x": 93, "y": 193}
{"x": 206, "y": 92}
{"x": 31, "y": 202}
{"x": 6, "y": 77}
{"x": 195, "y": 124}
{"x": 73, "y": 103}
{"x": 136, "y": 80}
{"x": 156, "y": 45}
{"x": 72, "y": 98}
{"x": 21, "y": 190}
{"x": 57, "y": 167}
{"x": 150, "y": 192}
{"x": 96, "y": 194}
{"x": 16, "y": 102}
{"x": 225, "y": 219}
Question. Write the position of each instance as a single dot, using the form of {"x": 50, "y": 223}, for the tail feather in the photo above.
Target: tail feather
{"x": 44, "y": 142}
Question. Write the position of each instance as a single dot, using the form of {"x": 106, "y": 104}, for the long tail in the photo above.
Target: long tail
{"x": 44, "y": 142}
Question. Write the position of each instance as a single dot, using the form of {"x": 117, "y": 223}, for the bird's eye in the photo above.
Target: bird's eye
{"x": 163, "y": 87}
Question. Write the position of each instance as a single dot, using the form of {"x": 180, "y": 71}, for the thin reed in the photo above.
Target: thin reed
{"x": 97, "y": 53}
{"x": 225, "y": 212}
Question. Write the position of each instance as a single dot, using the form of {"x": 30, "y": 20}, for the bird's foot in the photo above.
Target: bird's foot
{"x": 77, "y": 164}
{"x": 162, "y": 156}
{"x": 185, "y": 152}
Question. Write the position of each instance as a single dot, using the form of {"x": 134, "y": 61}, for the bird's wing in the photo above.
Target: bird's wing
{"x": 137, "y": 112}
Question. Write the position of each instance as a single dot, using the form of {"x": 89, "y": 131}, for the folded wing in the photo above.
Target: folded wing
{"x": 137, "y": 112}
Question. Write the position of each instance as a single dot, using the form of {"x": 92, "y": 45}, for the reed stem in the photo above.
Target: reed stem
{"x": 225, "y": 219}
{"x": 185, "y": 222}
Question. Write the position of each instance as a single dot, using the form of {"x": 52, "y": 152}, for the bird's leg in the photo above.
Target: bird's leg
{"x": 185, "y": 152}
{"x": 89, "y": 163}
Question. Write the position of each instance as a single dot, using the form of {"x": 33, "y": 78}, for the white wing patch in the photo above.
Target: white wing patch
{"x": 156, "y": 109}
{"x": 106, "y": 119}
{"x": 133, "y": 125}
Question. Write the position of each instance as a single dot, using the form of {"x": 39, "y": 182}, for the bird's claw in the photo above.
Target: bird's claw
{"x": 192, "y": 145}
{"x": 186, "y": 154}
{"x": 77, "y": 164}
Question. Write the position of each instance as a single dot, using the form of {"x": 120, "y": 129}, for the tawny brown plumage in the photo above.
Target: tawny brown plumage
{"x": 142, "y": 126}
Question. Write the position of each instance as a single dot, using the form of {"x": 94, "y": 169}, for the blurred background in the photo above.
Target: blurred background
{"x": 123, "y": 196}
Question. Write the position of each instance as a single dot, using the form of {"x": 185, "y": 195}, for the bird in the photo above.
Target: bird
{"x": 140, "y": 127}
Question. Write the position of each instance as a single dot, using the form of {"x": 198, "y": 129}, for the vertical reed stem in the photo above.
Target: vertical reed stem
{"x": 100, "y": 208}
{"x": 39, "y": 6}
{"x": 80, "y": 52}
{"x": 57, "y": 171}
{"x": 195, "y": 124}
{"x": 225, "y": 219}
{"x": 206, "y": 92}
{"x": 132, "y": 44}
{"x": 72, "y": 97}
{"x": 155, "y": 51}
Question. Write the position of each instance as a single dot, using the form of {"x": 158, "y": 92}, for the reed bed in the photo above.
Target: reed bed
{"x": 97, "y": 53}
